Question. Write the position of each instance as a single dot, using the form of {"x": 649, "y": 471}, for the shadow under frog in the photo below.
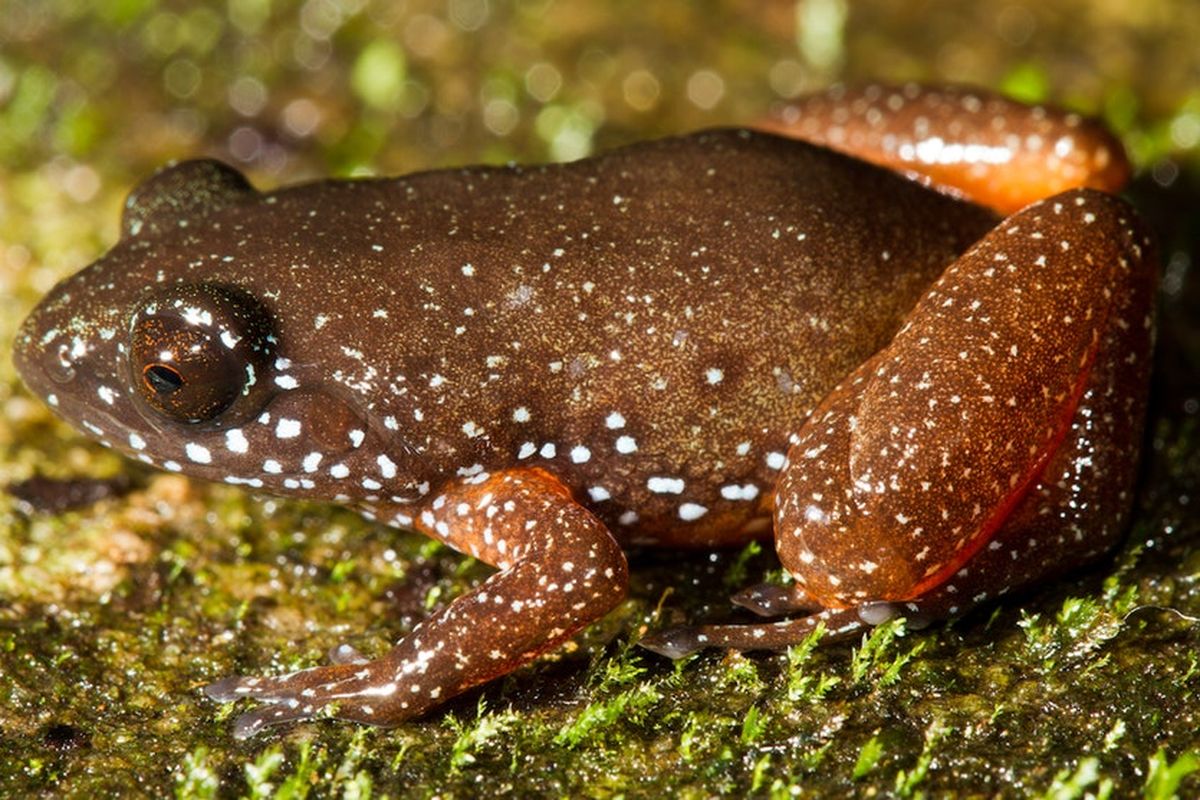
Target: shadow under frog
{"x": 685, "y": 343}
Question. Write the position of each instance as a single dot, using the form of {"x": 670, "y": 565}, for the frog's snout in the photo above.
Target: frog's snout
{"x": 40, "y": 365}
{"x": 68, "y": 357}
{"x": 43, "y": 358}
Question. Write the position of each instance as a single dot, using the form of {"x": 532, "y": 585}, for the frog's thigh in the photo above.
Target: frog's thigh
{"x": 1079, "y": 507}
{"x": 560, "y": 569}
{"x": 908, "y": 469}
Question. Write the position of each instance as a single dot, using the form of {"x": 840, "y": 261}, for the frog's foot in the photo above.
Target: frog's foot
{"x": 684, "y": 640}
{"x": 349, "y": 690}
{"x": 841, "y": 624}
{"x": 772, "y": 600}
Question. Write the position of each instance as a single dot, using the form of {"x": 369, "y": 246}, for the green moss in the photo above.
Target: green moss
{"x": 1164, "y": 776}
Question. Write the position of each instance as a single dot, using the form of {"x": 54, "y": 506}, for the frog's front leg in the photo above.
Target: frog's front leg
{"x": 560, "y": 569}
{"x": 992, "y": 444}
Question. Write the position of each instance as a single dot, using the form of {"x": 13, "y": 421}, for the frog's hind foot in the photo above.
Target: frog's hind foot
{"x": 772, "y": 600}
{"x": 840, "y": 624}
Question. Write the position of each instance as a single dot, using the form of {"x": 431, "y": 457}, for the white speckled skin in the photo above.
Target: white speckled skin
{"x": 536, "y": 365}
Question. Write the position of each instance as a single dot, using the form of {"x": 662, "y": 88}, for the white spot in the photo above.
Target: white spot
{"x": 286, "y": 382}
{"x": 106, "y": 394}
{"x": 691, "y": 511}
{"x": 287, "y": 428}
{"x": 311, "y": 461}
{"x": 614, "y": 421}
{"x": 714, "y": 375}
{"x": 472, "y": 430}
{"x": 339, "y": 470}
{"x": 272, "y": 466}
{"x": 598, "y": 494}
{"x": 198, "y": 453}
{"x": 626, "y": 445}
{"x": 520, "y": 414}
{"x": 387, "y": 467}
{"x": 527, "y": 449}
{"x": 663, "y": 485}
{"x": 735, "y": 492}
{"x": 235, "y": 441}
{"x": 137, "y": 442}
{"x": 357, "y": 437}
{"x": 775, "y": 460}
{"x": 549, "y": 450}
{"x": 580, "y": 454}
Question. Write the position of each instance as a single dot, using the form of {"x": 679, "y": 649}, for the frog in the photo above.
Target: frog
{"x": 903, "y": 330}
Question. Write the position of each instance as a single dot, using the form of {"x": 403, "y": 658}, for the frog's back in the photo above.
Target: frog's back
{"x": 650, "y": 325}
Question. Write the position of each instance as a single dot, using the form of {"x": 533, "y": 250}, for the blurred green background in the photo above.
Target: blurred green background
{"x": 111, "y": 616}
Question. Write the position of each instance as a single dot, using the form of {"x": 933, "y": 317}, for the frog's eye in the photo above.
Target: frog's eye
{"x": 200, "y": 353}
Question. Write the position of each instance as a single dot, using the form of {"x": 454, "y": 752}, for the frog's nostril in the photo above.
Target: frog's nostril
{"x": 60, "y": 368}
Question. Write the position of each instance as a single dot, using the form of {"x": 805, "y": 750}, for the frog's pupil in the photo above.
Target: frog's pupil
{"x": 163, "y": 379}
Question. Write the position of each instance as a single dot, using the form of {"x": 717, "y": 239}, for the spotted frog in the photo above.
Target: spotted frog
{"x": 830, "y": 335}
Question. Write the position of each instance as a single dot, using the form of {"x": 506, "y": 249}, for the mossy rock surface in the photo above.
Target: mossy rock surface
{"x": 112, "y": 615}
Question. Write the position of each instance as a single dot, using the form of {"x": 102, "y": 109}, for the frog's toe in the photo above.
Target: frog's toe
{"x": 253, "y": 722}
{"x": 229, "y": 688}
{"x": 770, "y": 600}
{"x": 675, "y": 643}
{"x": 877, "y": 613}
{"x": 346, "y": 654}
{"x": 303, "y": 686}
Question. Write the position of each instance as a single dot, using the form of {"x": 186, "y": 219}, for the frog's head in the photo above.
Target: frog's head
{"x": 168, "y": 349}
